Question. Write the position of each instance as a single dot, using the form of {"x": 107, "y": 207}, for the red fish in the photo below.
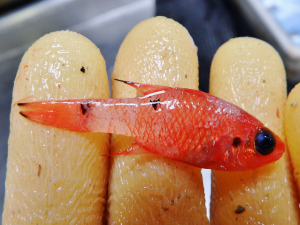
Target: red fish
{"x": 182, "y": 124}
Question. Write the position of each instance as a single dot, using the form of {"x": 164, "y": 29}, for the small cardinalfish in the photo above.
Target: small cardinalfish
{"x": 181, "y": 124}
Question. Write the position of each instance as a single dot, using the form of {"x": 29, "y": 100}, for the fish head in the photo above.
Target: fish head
{"x": 261, "y": 147}
{"x": 247, "y": 150}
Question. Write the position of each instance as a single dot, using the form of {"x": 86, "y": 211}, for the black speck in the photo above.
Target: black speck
{"x": 82, "y": 69}
{"x": 264, "y": 81}
{"x": 155, "y": 103}
{"x": 240, "y": 209}
{"x": 185, "y": 76}
{"x": 85, "y": 107}
{"x": 236, "y": 142}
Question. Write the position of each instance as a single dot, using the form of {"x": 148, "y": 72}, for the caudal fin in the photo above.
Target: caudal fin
{"x": 66, "y": 115}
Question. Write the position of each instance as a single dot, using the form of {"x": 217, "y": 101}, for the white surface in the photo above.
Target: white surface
{"x": 206, "y": 174}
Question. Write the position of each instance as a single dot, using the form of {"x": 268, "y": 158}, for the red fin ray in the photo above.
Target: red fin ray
{"x": 144, "y": 89}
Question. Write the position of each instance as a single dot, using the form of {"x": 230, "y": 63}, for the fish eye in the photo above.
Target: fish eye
{"x": 264, "y": 142}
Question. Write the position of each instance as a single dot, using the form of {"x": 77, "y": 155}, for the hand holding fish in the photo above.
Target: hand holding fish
{"x": 67, "y": 170}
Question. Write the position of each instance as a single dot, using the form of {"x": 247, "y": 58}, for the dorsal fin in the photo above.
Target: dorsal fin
{"x": 144, "y": 89}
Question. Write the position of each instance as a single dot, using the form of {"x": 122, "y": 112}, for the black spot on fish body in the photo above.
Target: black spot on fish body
{"x": 82, "y": 69}
{"x": 84, "y": 107}
{"x": 236, "y": 142}
{"x": 155, "y": 103}
{"x": 240, "y": 209}
{"x": 164, "y": 208}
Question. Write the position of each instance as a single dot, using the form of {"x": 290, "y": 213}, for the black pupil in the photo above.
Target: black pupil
{"x": 264, "y": 142}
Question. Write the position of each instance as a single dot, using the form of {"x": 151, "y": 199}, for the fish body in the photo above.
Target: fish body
{"x": 182, "y": 124}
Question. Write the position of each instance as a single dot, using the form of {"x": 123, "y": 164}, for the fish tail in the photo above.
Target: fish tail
{"x": 66, "y": 115}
